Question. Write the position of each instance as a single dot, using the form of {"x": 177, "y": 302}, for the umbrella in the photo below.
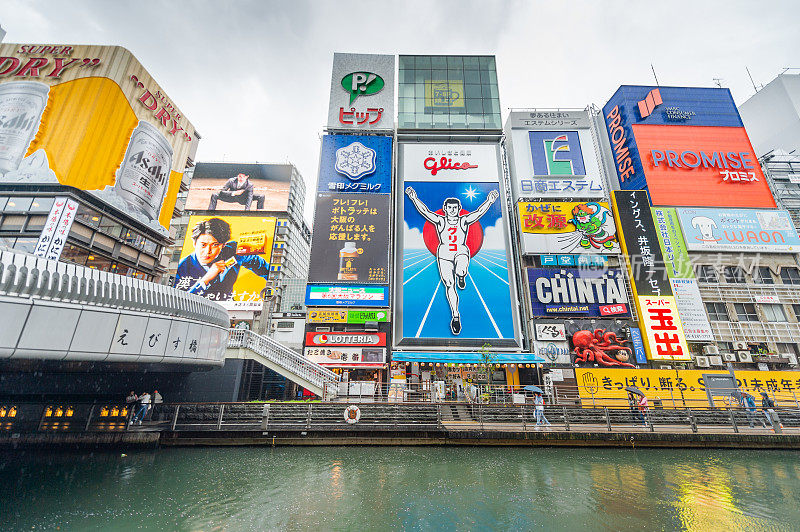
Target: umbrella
{"x": 634, "y": 389}
{"x": 534, "y": 389}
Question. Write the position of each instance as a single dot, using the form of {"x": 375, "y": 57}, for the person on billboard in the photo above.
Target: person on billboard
{"x": 213, "y": 268}
{"x": 452, "y": 254}
{"x": 239, "y": 190}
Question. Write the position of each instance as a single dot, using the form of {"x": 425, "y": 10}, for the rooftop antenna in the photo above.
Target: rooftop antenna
{"x": 654, "y": 74}
{"x": 718, "y": 82}
{"x": 751, "y": 79}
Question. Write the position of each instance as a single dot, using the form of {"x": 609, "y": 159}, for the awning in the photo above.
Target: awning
{"x": 354, "y": 366}
{"x": 465, "y": 357}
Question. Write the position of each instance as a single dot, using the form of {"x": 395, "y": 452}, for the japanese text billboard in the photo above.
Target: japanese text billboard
{"x": 552, "y": 155}
{"x": 455, "y": 280}
{"x": 227, "y": 259}
{"x": 577, "y": 291}
{"x": 739, "y": 230}
{"x": 567, "y": 227}
{"x": 350, "y": 243}
{"x": 355, "y": 163}
{"x": 362, "y": 92}
{"x": 354, "y": 357}
{"x": 670, "y": 140}
{"x": 239, "y": 187}
{"x": 347, "y": 296}
{"x": 91, "y": 117}
{"x": 347, "y": 316}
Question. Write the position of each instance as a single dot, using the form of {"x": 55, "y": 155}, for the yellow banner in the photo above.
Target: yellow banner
{"x": 444, "y": 93}
{"x": 681, "y": 388}
{"x": 554, "y": 217}
{"x": 327, "y": 316}
{"x": 663, "y": 329}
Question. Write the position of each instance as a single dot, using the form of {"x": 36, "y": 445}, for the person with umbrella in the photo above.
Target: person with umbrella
{"x": 639, "y": 407}
{"x": 538, "y": 404}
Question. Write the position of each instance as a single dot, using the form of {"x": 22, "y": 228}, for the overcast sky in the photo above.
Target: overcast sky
{"x": 254, "y": 76}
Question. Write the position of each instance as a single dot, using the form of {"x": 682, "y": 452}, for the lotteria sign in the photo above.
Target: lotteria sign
{"x": 668, "y": 140}
{"x": 576, "y": 291}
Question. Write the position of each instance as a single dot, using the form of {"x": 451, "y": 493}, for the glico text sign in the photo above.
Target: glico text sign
{"x": 685, "y": 146}
{"x": 362, "y": 92}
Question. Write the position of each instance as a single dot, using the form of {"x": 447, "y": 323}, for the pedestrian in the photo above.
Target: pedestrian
{"x": 768, "y": 407}
{"x": 643, "y": 409}
{"x": 750, "y": 409}
{"x": 157, "y": 400}
{"x": 132, "y": 398}
{"x": 538, "y": 402}
{"x": 144, "y": 406}
{"x": 633, "y": 407}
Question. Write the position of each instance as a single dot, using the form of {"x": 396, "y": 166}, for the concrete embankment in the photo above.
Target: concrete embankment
{"x": 81, "y": 440}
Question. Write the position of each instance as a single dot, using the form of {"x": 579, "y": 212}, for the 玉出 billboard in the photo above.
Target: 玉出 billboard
{"x": 350, "y": 243}
{"x": 362, "y": 92}
{"x": 355, "y": 163}
{"x": 552, "y": 155}
{"x": 239, "y": 187}
{"x": 455, "y": 279}
{"x": 739, "y": 230}
{"x": 227, "y": 259}
{"x": 577, "y": 291}
{"x": 567, "y": 227}
{"x": 685, "y": 146}
{"x": 91, "y": 117}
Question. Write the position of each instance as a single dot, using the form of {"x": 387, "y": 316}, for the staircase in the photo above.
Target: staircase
{"x": 282, "y": 360}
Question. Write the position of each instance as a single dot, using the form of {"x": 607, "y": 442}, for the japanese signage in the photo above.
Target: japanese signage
{"x": 444, "y": 94}
{"x": 356, "y": 163}
{"x": 455, "y": 282}
{"x": 570, "y": 291}
{"x": 603, "y": 342}
{"x": 339, "y": 338}
{"x": 739, "y": 230}
{"x": 91, "y": 117}
{"x": 56, "y": 229}
{"x": 667, "y": 140}
{"x": 678, "y": 388}
{"x": 548, "y": 332}
{"x": 552, "y": 155}
{"x": 681, "y": 275}
{"x": 567, "y": 227}
{"x": 553, "y": 351}
{"x": 350, "y": 243}
{"x": 347, "y": 356}
{"x": 227, "y": 259}
{"x": 239, "y": 187}
{"x": 581, "y": 261}
{"x": 347, "y": 316}
{"x": 356, "y": 296}
{"x": 362, "y": 92}
{"x": 656, "y": 306}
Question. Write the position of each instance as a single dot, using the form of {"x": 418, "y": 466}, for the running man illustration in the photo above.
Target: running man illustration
{"x": 452, "y": 255}
{"x": 595, "y": 226}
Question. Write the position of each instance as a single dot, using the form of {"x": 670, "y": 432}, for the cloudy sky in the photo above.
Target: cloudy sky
{"x": 254, "y": 76}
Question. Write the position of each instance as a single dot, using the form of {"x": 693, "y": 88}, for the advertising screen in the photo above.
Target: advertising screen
{"x": 346, "y": 296}
{"x": 239, "y": 187}
{"x": 552, "y": 155}
{"x": 455, "y": 282}
{"x": 355, "y": 163}
{"x": 91, "y": 117}
{"x": 347, "y": 316}
{"x": 739, "y": 230}
{"x": 362, "y": 92}
{"x": 567, "y": 227}
{"x": 350, "y": 243}
{"x": 227, "y": 259}
{"x": 580, "y": 292}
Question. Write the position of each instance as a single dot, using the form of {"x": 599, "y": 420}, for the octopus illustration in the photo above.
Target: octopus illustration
{"x": 594, "y": 347}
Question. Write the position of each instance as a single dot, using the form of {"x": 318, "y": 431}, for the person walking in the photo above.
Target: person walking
{"x": 750, "y": 409}
{"x": 538, "y": 402}
{"x": 768, "y": 407}
{"x": 643, "y": 409}
{"x": 156, "y": 400}
{"x": 144, "y": 406}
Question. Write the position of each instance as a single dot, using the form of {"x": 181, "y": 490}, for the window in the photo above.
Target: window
{"x": 3, "y": 201}
{"x": 26, "y": 245}
{"x": 787, "y": 348}
{"x": 762, "y": 275}
{"x": 110, "y": 227}
{"x": 733, "y": 274}
{"x": 773, "y": 312}
{"x": 98, "y": 262}
{"x": 285, "y": 325}
{"x": 74, "y": 254}
{"x": 706, "y": 274}
{"x": 87, "y": 216}
{"x": 717, "y": 312}
{"x": 42, "y": 204}
{"x": 746, "y": 311}
{"x": 725, "y": 347}
{"x": 18, "y": 204}
{"x": 796, "y": 309}
{"x": 790, "y": 275}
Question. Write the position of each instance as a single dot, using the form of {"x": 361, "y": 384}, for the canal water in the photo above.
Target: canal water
{"x": 380, "y": 488}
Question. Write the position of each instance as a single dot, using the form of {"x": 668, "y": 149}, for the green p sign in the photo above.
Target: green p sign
{"x": 358, "y": 83}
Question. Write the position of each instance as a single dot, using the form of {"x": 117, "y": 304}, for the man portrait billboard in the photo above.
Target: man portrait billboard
{"x": 239, "y": 187}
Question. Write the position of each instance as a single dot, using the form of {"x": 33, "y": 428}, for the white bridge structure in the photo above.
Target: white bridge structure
{"x": 57, "y": 311}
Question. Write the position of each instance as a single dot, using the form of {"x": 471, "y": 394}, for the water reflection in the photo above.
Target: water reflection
{"x": 359, "y": 488}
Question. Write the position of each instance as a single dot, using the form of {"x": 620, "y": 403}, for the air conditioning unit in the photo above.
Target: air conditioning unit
{"x": 729, "y": 357}
{"x": 791, "y": 358}
{"x": 710, "y": 350}
{"x": 744, "y": 356}
{"x": 701, "y": 361}
{"x": 740, "y": 346}
{"x": 715, "y": 360}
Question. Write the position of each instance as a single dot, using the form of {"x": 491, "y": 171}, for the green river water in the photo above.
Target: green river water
{"x": 394, "y": 488}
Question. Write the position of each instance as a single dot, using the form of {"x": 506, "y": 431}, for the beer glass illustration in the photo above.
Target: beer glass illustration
{"x": 21, "y": 107}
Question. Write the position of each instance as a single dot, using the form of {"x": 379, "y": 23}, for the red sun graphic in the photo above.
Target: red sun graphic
{"x": 474, "y": 235}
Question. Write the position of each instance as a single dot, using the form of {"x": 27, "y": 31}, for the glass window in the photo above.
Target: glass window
{"x": 110, "y": 227}
{"x": 98, "y": 262}
{"x": 472, "y": 77}
{"x": 717, "y": 312}
{"x": 796, "y": 309}
{"x": 3, "y": 201}
{"x": 88, "y": 216}
{"x": 74, "y": 254}
{"x": 706, "y": 274}
{"x": 42, "y": 204}
{"x": 787, "y": 348}
{"x": 762, "y": 275}
{"x": 773, "y": 312}
{"x": 438, "y": 62}
{"x": 725, "y": 347}
{"x": 455, "y": 62}
{"x": 790, "y": 275}
{"x": 733, "y": 274}
{"x": 746, "y": 311}
{"x": 6, "y": 242}
{"x": 406, "y": 62}
{"x": 26, "y": 245}
{"x": 18, "y": 204}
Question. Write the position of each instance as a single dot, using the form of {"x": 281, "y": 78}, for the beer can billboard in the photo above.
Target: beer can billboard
{"x": 455, "y": 281}
{"x": 239, "y": 187}
{"x": 227, "y": 259}
{"x": 91, "y": 117}
{"x": 362, "y": 92}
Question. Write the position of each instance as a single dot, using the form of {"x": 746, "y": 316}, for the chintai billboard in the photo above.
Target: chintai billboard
{"x": 455, "y": 282}
{"x": 577, "y": 292}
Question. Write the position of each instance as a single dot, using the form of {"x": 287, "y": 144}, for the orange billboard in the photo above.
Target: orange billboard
{"x": 91, "y": 117}
{"x": 696, "y": 166}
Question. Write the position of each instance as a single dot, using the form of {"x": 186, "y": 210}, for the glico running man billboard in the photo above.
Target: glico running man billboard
{"x": 455, "y": 279}
{"x": 227, "y": 259}
{"x": 91, "y": 117}
{"x": 685, "y": 146}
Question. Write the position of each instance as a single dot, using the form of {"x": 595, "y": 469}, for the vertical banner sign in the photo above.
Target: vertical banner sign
{"x": 54, "y": 235}
{"x": 656, "y": 307}
{"x": 681, "y": 276}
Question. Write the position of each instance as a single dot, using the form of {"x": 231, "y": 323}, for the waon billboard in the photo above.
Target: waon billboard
{"x": 685, "y": 146}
